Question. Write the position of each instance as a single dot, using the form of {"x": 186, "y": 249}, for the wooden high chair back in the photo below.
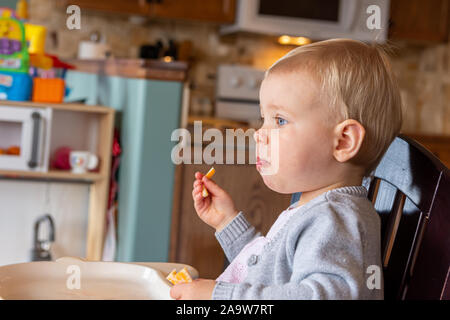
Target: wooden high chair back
{"x": 411, "y": 192}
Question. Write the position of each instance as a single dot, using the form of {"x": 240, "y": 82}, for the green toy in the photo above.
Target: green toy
{"x": 14, "y": 55}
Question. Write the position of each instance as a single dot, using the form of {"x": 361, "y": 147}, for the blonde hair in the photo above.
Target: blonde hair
{"x": 357, "y": 81}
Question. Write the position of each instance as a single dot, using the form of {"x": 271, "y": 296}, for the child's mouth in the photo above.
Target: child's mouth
{"x": 261, "y": 162}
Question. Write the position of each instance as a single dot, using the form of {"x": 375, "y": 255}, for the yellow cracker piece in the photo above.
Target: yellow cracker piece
{"x": 172, "y": 276}
{"x": 182, "y": 276}
{"x": 208, "y": 175}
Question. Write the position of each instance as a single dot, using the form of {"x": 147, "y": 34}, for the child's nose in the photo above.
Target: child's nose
{"x": 260, "y": 136}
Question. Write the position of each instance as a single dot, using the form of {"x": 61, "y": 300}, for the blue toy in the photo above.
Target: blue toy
{"x": 15, "y": 86}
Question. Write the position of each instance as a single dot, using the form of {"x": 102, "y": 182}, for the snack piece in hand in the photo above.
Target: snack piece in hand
{"x": 182, "y": 276}
{"x": 208, "y": 175}
{"x": 172, "y": 276}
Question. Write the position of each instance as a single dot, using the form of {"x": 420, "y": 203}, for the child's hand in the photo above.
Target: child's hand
{"x": 217, "y": 209}
{"x": 199, "y": 289}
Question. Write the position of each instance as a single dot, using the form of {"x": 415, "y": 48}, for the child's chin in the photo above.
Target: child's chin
{"x": 271, "y": 182}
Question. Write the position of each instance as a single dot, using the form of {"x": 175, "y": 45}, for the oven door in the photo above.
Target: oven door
{"x": 24, "y": 137}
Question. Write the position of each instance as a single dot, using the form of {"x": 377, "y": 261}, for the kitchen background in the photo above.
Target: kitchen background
{"x": 420, "y": 56}
{"x": 423, "y": 68}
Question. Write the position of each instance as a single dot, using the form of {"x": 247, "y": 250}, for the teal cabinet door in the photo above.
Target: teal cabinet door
{"x": 146, "y": 176}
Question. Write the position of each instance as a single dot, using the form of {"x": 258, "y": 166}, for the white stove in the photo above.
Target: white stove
{"x": 237, "y": 92}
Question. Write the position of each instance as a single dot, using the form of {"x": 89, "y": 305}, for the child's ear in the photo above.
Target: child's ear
{"x": 348, "y": 138}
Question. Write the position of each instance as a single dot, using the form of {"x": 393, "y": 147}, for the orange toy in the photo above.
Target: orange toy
{"x": 13, "y": 150}
{"x": 48, "y": 90}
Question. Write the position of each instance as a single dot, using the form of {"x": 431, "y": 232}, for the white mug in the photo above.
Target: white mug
{"x": 81, "y": 161}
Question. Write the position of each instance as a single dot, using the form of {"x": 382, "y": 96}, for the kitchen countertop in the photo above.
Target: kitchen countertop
{"x": 134, "y": 68}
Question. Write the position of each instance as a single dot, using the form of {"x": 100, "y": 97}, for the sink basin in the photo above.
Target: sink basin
{"x": 74, "y": 278}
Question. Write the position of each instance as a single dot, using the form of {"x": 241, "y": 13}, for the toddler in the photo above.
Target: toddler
{"x": 335, "y": 107}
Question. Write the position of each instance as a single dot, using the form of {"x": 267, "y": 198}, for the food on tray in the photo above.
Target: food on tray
{"x": 13, "y": 150}
{"x": 208, "y": 175}
{"x": 182, "y": 276}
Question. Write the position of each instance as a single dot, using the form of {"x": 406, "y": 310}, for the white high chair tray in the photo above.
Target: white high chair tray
{"x": 58, "y": 280}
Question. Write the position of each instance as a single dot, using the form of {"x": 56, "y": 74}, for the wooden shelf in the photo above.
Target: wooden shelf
{"x": 77, "y": 107}
{"x": 57, "y": 175}
{"x": 134, "y": 68}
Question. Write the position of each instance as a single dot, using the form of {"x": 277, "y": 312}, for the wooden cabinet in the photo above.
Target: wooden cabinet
{"x": 192, "y": 241}
{"x": 211, "y": 10}
{"x": 419, "y": 21}
{"x": 138, "y": 7}
{"x": 220, "y": 11}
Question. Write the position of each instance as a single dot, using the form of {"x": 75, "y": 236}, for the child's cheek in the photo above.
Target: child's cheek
{"x": 278, "y": 175}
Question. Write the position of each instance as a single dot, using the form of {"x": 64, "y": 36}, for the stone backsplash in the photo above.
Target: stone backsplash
{"x": 423, "y": 71}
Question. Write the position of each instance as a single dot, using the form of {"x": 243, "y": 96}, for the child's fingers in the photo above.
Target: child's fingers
{"x": 198, "y": 175}
{"x": 176, "y": 291}
{"x": 198, "y": 189}
{"x": 196, "y": 192}
{"x": 199, "y": 200}
{"x": 197, "y": 183}
{"x": 211, "y": 186}
{"x": 200, "y": 203}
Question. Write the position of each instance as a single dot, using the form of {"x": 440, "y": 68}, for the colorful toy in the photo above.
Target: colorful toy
{"x": 26, "y": 71}
{"x": 61, "y": 158}
{"x": 15, "y": 82}
{"x": 48, "y": 71}
{"x": 35, "y": 36}
{"x": 48, "y": 90}
{"x": 7, "y": 13}
{"x": 22, "y": 9}
{"x": 12, "y": 151}
{"x": 15, "y": 86}
{"x": 13, "y": 47}
{"x": 48, "y": 61}
{"x": 48, "y": 83}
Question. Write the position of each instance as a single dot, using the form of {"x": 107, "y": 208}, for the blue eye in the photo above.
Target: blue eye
{"x": 280, "y": 121}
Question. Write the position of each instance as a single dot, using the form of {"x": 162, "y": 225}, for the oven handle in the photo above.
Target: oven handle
{"x": 36, "y": 117}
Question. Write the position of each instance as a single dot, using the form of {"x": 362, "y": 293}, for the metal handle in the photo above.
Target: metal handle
{"x": 36, "y": 116}
{"x": 51, "y": 235}
{"x": 41, "y": 248}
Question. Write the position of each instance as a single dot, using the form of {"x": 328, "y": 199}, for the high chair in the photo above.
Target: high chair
{"x": 410, "y": 190}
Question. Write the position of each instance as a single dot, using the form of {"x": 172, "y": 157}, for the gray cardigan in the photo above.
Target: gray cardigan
{"x": 328, "y": 249}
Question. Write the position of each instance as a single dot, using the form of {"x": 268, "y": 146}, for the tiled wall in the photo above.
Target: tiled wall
{"x": 423, "y": 72}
